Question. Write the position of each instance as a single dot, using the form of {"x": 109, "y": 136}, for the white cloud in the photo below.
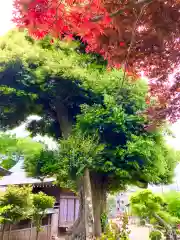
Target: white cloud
{"x": 21, "y": 132}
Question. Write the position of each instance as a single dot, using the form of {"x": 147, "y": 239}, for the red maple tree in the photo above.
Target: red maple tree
{"x": 139, "y": 35}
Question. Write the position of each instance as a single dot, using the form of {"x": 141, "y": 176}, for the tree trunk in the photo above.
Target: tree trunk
{"x": 37, "y": 234}
{"x": 63, "y": 119}
{"x": 98, "y": 186}
{"x": 92, "y": 197}
{"x": 83, "y": 228}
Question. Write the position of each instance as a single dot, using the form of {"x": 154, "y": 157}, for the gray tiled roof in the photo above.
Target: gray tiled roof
{"x": 4, "y": 172}
{"x": 18, "y": 176}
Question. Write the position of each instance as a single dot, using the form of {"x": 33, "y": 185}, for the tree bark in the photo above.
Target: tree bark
{"x": 63, "y": 119}
{"x": 98, "y": 186}
{"x": 92, "y": 197}
{"x": 83, "y": 228}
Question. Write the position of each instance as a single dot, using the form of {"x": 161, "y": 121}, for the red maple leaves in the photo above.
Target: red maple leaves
{"x": 57, "y": 18}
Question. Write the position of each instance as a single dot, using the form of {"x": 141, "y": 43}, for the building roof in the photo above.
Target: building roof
{"x": 18, "y": 176}
{"x": 4, "y": 172}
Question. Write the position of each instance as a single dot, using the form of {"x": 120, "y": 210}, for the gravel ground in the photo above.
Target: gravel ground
{"x": 137, "y": 233}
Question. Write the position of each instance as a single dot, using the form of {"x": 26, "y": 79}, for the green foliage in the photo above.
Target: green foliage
{"x": 15, "y": 204}
{"x": 168, "y": 217}
{"x": 12, "y": 149}
{"x": 109, "y": 135}
{"x": 173, "y": 203}
{"x": 7, "y": 143}
{"x": 41, "y": 202}
{"x": 7, "y": 150}
{"x": 104, "y": 221}
{"x": 142, "y": 222}
{"x": 144, "y": 203}
{"x": 76, "y": 153}
{"x": 37, "y": 75}
{"x": 69, "y": 89}
{"x": 156, "y": 235}
{"x": 114, "y": 232}
{"x": 147, "y": 204}
{"x": 39, "y": 161}
{"x": 18, "y": 203}
{"x": 4, "y": 214}
{"x": 108, "y": 140}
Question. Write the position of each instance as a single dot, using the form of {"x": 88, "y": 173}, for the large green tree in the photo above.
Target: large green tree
{"x": 99, "y": 123}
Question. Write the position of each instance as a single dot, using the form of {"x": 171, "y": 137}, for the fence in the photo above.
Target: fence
{"x": 26, "y": 231}
{"x": 28, "y": 234}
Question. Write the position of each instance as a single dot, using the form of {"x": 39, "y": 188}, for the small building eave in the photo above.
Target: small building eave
{"x": 4, "y": 172}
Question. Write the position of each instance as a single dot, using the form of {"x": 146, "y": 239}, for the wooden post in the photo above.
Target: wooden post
{"x": 3, "y": 231}
{"x": 30, "y": 231}
{"x": 54, "y": 223}
{"x": 9, "y": 233}
{"x": 74, "y": 209}
{"x": 49, "y": 227}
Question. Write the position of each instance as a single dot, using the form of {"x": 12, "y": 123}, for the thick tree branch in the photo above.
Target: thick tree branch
{"x": 133, "y": 39}
{"x": 121, "y": 11}
{"x": 168, "y": 228}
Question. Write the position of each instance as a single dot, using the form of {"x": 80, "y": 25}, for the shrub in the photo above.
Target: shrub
{"x": 114, "y": 232}
{"x": 156, "y": 235}
{"x": 142, "y": 222}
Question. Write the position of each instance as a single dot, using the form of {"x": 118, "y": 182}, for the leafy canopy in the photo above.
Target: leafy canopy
{"x": 109, "y": 133}
{"x": 110, "y": 140}
{"x": 142, "y": 36}
{"x": 37, "y": 76}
